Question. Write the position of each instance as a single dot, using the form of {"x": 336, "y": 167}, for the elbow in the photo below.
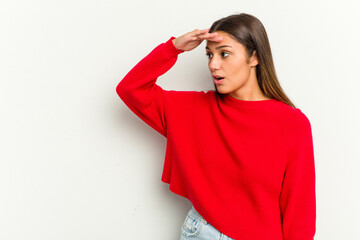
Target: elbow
{"x": 125, "y": 90}
{"x": 120, "y": 89}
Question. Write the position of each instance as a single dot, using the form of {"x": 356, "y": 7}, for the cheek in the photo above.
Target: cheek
{"x": 236, "y": 67}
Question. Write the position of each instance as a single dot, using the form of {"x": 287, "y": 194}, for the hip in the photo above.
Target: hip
{"x": 195, "y": 227}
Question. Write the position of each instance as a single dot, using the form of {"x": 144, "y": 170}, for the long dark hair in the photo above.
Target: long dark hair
{"x": 250, "y": 32}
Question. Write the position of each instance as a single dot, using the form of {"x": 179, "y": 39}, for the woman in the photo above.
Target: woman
{"x": 242, "y": 154}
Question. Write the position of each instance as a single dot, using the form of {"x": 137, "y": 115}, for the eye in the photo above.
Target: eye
{"x": 209, "y": 55}
{"x": 224, "y": 54}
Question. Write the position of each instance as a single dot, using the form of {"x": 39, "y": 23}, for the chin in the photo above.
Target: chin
{"x": 222, "y": 90}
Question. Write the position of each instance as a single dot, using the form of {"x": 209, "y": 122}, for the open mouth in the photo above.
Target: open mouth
{"x": 218, "y": 80}
{"x": 217, "y": 77}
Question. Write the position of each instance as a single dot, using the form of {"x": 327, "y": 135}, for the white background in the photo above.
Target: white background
{"x": 76, "y": 163}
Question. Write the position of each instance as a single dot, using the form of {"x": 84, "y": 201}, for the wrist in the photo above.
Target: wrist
{"x": 174, "y": 43}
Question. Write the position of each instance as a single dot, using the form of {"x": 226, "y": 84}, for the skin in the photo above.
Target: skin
{"x": 240, "y": 80}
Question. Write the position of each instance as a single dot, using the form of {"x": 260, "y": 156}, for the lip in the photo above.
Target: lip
{"x": 218, "y": 81}
{"x": 214, "y": 76}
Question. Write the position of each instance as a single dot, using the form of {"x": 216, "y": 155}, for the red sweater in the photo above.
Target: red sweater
{"x": 246, "y": 166}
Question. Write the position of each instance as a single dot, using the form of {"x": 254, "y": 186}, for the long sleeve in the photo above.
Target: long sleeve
{"x": 139, "y": 91}
{"x": 298, "y": 198}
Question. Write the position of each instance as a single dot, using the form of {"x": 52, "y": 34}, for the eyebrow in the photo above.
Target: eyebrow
{"x": 222, "y": 46}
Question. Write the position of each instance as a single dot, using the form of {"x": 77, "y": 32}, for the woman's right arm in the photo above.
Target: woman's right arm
{"x": 138, "y": 89}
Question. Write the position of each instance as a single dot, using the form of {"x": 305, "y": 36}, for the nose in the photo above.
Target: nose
{"x": 214, "y": 64}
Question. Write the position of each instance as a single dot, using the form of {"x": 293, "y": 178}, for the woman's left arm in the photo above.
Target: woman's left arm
{"x": 298, "y": 198}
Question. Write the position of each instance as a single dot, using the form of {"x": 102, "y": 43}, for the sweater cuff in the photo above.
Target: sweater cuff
{"x": 172, "y": 46}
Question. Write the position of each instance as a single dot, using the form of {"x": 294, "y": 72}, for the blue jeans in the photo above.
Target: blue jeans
{"x": 195, "y": 227}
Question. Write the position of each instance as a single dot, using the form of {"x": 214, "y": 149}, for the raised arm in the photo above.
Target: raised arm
{"x": 138, "y": 89}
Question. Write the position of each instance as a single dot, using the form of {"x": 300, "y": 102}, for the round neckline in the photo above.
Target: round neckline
{"x": 248, "y": 103}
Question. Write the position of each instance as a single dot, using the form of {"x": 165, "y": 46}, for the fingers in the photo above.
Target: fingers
{"x": 208, "y": 35}
{"x": 203, "y": 34}
{"x": 199, "y": 32}
{"x": 211, "y": 37}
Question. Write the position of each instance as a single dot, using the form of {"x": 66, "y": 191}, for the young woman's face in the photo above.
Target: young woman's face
{"x": 227, "y": 60}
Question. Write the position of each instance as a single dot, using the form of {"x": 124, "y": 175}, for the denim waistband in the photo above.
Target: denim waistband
{"x": 197, "y": 214}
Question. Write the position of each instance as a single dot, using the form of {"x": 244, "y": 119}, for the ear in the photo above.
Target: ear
{"x": 254, "y": 59}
